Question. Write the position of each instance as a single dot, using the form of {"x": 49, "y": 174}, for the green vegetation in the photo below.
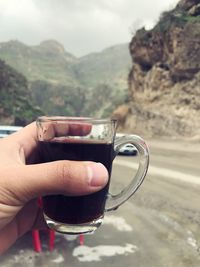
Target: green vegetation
{"x": 14, "y": 96}
{"x": 57, "y": 99}
{"x": 77, "y": 101}
{"x": 61, "y": 84}
{"x": 103, "y": 99}
{"x": 50, "y": 62}
{"x": 42, "y": 62}
{"x": 175, "y": 18}
{"x": 192, "y": 19}
{"x": 110, "y": 67}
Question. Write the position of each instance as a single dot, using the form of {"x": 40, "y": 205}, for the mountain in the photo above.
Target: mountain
{"x": 49, "y": 62}
{"x": 165, "y": 76}
{"x": 61, "y": 83}
{"x": 15, "y": 105}
{"x": 111, "y": 67}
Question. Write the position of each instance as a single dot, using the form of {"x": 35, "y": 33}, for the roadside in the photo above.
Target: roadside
{"x": 183, "y": 145}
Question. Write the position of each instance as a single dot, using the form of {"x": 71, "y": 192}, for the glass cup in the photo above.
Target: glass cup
{"x": 85, "y": 139}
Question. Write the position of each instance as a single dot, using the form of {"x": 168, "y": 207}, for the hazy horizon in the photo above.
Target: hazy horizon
{"x": 70, "y": 52}
{"x": 81, "y": 27}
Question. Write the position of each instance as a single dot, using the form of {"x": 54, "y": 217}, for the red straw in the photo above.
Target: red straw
{"x": 51, "y": 239}
{"x": 81, "y": 239}
{"x": 36, "y": 241}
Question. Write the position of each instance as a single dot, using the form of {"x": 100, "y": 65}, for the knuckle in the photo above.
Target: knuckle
{"x": 72, "y": 178}
{"x": 63, "y": 170}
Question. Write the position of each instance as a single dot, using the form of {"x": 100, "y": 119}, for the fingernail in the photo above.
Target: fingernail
{"x": 97, "y": 174}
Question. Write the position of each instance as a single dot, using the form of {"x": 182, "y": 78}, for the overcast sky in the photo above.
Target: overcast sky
{"x": 82, "y": 26}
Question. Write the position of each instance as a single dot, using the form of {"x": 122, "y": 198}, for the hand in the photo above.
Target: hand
{"x": 22, "y": 182}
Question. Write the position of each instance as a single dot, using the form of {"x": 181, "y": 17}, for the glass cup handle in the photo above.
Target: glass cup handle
{"x": 114, "y": 201}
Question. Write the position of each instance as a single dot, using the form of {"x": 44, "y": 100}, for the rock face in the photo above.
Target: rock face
{"x": 164, "y": 82}
{"x": 16, "y": 106}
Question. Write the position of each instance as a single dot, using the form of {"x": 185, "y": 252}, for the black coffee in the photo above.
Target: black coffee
{"x": 76, "y": 209}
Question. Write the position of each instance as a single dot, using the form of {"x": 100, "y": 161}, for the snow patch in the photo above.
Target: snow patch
{"x": 89, "y": 254}
{"x": 59, "y": 259}
{"x": 118, "y": 222}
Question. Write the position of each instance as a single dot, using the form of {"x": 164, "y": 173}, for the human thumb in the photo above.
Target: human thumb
{"x": 58, "y": 177}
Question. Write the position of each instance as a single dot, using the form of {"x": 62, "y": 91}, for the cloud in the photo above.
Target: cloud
{"x": 81, "y": 26}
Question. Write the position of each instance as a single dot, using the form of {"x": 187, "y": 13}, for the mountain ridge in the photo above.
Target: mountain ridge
{"x": 61, "y": 83}
{"x": 16, "y": 106}
{"x": 50, "y": 61}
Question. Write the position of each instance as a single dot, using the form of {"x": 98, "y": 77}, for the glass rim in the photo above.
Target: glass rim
{"x": 75, "y": 119}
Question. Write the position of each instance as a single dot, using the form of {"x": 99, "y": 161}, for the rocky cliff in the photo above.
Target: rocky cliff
{"x": 164, "y": 82}
{"x": 16, "y": 107}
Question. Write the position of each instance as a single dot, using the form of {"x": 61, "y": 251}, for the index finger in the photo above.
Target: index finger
{"x": 26, "y": 138}
{"x": 48, "y": 130}
{"x": 77, "y": 129}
